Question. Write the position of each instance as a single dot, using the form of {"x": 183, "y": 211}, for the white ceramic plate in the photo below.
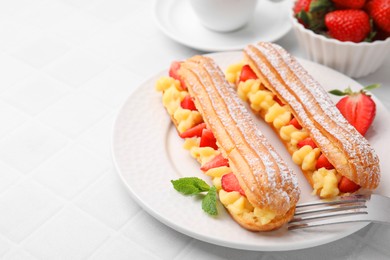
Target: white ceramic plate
{"x": 148, "y": 154}
{"x": 178, "y": 21}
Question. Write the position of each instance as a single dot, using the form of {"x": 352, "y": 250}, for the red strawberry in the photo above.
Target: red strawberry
{"x": 174, "y": 73}
{"x": 217, "y": 161}
{"x": 306, "y": 141}
{"x": 247, "y": 73}
{"x": 295, "y": 123}
{"x": 301, "y": 5}
{"x": 188, "y": 103}
{"x": 278, "y": 100}
{"x": 379, "y": 10}
{"x": 348, "y": 25}
{"x": 311, "y": 13}
{"x": 357, "y": 107}
{"x": 349, "y": 4}
{"x": 322, "y": 162}
{"x": 346, "y": 185}
{"x": 208, "y": 140}
{"x": 230, "y": 183}
{"x": 194, "y": 131}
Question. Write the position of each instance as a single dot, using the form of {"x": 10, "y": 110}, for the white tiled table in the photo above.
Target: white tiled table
{"x": 65, "y": 68}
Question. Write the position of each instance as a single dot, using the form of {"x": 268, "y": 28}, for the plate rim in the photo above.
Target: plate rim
{"x": 189, "y": 232}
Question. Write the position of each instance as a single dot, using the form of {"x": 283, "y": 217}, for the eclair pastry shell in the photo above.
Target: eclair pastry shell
{"x": 348, "y": 151}
{"x": 262, "y": 174}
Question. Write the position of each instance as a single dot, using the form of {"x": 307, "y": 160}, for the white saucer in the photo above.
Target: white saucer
{"x": 178, "y": 21}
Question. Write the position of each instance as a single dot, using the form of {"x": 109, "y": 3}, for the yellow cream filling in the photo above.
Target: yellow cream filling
{"x": 234, "y": 201}
{"x": 262, "y": 100}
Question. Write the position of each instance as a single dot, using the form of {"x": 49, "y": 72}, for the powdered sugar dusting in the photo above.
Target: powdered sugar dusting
{"x": 270, "y": 175}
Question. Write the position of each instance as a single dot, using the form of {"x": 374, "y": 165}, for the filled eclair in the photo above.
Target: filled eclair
{"x": 254, "y": 184}
{"x": 333, "y": 156}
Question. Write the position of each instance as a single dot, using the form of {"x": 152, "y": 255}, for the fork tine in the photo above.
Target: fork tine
{"x": 322, "y": 216}
{"x": 330, "y": 209}
{"x": 319, "y": 224}
{"x": 320, "y": 213}
{"x": 341, "y": 200}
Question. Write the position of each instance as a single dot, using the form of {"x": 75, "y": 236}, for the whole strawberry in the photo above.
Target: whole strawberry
{"x": 349, "y": 4}
{"x": 379, "y": 10}
{"x": 357, "y": 107}
{"x": 348, "y": 25}
{"x": 311, "y": 13}
{"x": 301, "y": 5}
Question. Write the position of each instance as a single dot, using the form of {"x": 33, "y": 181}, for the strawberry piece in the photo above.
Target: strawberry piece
{"x": 306, "y": 141}
{"x": 174, "y": 73}
{"x": 348, "y": 25}
{"x": 358, "y": 108}
{"x": 208, "y": 140}
{"x": 188, "y": 103}
{"x": 278, "y": 100}
{"x": 230, "y": 183}
{"x": 247, "y": 73}
{"x": 217, "y": 161}
{"x": 379, "y": 10}
{"x": 173, "y": 70}
{"x": 322, "y": 162}
{"x": 311, "y": 13}
{"x": 301, "y": 5}
{"x": 346, "y": 185}
{"x": 295, "y": 123}
{"x": 194, "y": 131}
{"x": 349, "y": 4}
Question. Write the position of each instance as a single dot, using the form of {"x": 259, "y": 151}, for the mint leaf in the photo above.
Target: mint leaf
{"x": 209, "y": 202}
{"x": 190, "y": 185}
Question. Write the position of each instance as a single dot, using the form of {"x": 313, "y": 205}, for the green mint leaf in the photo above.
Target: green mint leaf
{"x": 209, "y": 202}
{"x": 190, "y": 185}
{"x": 372, "y": 86}
{"x": 337, "y": 92}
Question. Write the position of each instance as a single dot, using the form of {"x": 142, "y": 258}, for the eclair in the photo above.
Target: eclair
{"x": 333, "y": 156}
{"x": 254, "y": 184}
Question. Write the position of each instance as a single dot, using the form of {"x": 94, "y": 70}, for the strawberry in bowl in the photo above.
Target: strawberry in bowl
{"x": 351, "y": 36}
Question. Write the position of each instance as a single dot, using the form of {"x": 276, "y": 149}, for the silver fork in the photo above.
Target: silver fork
{"x": 354, "y": 208}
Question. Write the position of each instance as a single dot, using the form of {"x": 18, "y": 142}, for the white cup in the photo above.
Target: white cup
{"x": 224, "y": 15}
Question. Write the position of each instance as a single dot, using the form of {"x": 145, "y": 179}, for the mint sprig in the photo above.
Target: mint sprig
{"x": 196, "y": 186}
{"x": 209, "y": 202}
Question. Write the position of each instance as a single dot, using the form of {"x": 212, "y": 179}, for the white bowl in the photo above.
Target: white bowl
{"x": 353, "y": 59}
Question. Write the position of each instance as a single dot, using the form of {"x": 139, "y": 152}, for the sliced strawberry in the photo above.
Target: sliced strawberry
{"x": 230, "y": 183}
{"x": 173, "y": 70}
{"x": 247, "y": 73}
{"x": 174, "y": 73}
{"x": 188, "y": 103}
{"x": 208, "y": 140}
{"x": 307, "y": 141}
{"x": 217, "y": 161}
{"x": 322, "y": 162}
{"x": 357, "y": 107}
{"x": 278, "y": 100}
{"x": 346, "y": 185}
{"x": 194, "y": 131}
{"x": 295, "y": 123}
